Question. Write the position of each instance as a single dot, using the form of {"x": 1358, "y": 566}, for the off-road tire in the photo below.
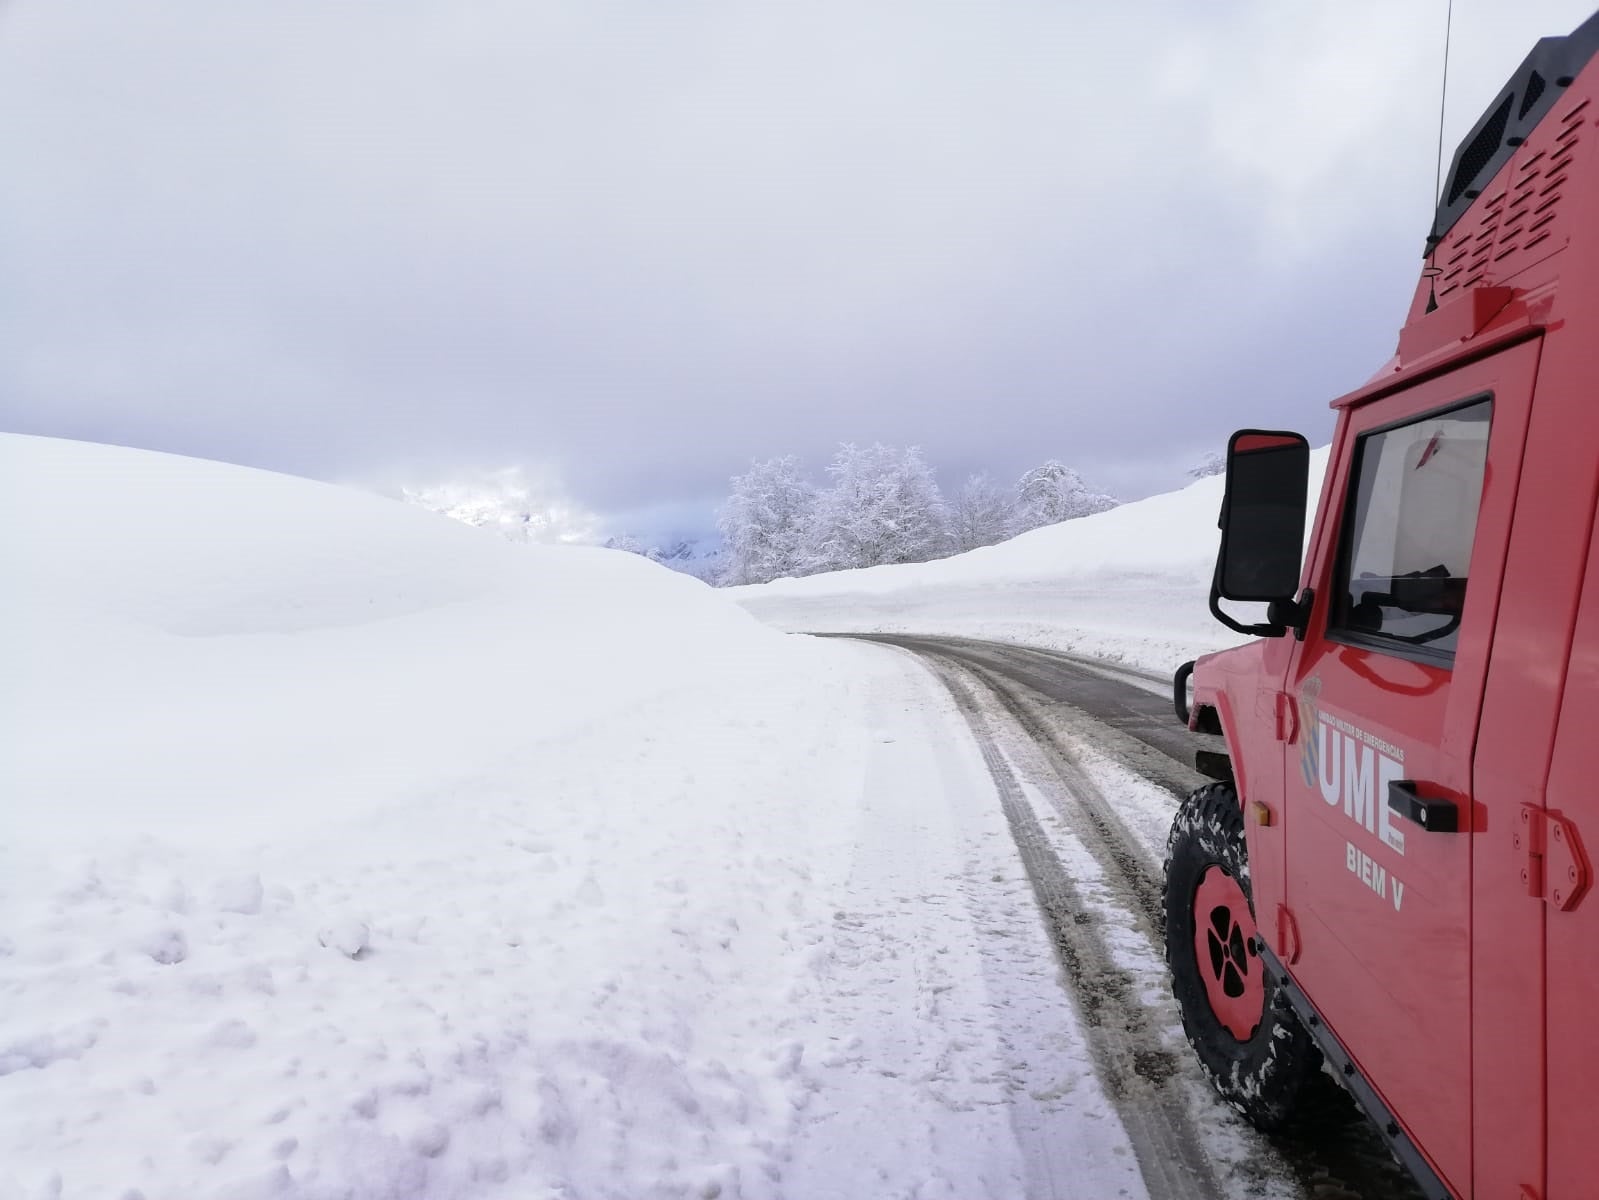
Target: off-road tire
{"x": 1264, "y": 1076}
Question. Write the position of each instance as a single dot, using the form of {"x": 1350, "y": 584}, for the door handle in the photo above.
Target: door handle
{"x": 1435, "y": 816}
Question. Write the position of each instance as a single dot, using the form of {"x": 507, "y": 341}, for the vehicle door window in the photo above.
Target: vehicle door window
{"x": 1402, "y": 573}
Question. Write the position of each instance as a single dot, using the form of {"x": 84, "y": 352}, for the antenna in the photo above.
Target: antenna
{"x": 1431, "y": 270}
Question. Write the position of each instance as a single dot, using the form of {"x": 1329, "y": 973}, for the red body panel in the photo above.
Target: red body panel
{"x": 1469, "y": 1004}
{"x": 1573, "y": 936}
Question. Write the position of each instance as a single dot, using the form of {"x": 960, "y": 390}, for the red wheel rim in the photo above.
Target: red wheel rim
{"x": 1224, "y": 949}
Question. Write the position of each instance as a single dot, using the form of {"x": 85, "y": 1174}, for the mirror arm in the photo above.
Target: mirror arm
{"x": 1267, "y": 630}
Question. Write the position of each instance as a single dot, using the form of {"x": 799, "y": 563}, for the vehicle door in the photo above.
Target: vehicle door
{"x": 1378, "y": 779}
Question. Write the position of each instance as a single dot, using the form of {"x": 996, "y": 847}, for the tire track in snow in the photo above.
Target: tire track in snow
{"x": 1333, "y": 1152}
{"x": 1135, "y": 1067}
{"x": 937, "y": 997}
{"x": 1083, "y": 806}
{"x": 1115, "y": 708}
{"x": 1155, "y": 683}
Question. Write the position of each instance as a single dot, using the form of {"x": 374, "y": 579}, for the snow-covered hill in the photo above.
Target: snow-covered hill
{"x": 1128, "y": 584}
{"x": 700, "y": 557}
{"x": 345, "y": 851}
{"x": 194, "y": 646}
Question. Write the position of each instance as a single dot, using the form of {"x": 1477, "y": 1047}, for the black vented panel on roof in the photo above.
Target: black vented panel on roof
{"x": 1522, "y": 211}
{"x": 1476, "y": 154}
{"x": 1553, "y": 65}
{"x": 1531, "y": 94}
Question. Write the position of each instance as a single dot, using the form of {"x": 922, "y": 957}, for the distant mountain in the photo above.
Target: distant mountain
{"x": 506, "y": 502}
{"x": 699, "y": 557}
{"x": 519, "y": 510}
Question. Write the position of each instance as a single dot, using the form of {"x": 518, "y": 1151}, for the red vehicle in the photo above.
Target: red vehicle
{"x": 1392, "y": 873}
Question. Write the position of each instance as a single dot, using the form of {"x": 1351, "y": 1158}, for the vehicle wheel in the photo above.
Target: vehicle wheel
{"x": 1255, "y": 1050}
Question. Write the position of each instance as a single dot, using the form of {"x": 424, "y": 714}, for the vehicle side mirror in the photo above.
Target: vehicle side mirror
{"x": 1263, "y": 528}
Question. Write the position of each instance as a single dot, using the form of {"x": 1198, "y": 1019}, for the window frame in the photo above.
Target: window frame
{"x": 1338, "y": 586}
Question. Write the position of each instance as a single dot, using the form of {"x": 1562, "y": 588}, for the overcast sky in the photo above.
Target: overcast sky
{"x": 633, "y": 244}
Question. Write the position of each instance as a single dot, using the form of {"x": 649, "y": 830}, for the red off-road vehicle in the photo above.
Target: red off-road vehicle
{"x": 1389, "y": 873}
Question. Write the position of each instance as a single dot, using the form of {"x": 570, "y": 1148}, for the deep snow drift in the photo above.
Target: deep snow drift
{"x": 333, "y": 855}
{"x": 347, "y": 851}
{"x": 200, "y": 649}
{"x": 1128, "y": 585}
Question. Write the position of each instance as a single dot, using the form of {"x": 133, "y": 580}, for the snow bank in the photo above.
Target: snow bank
{"x": 1129, "y": 585}
{"x": 206, "y": 650}
{"x": 348, "y": 851}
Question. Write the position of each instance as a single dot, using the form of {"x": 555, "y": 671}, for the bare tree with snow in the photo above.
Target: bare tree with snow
{"x": 980, "y": 514}
{"x": 884, "y": 506}
{"x": 913, "y": 508}
{"x": 841, "y": 536}
{"x": 765, "y": 522}
{"x": 1052, "y": 493}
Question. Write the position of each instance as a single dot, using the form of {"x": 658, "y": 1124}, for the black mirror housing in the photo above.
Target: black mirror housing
{"x": 1262, "y": 524}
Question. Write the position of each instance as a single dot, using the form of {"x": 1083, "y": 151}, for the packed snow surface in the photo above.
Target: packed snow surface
{"x": 346, "y": 851}
{"x": 1130, "y": 585}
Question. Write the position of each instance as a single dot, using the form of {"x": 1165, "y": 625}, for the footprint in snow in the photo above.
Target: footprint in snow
{"x": 166, "y": 946}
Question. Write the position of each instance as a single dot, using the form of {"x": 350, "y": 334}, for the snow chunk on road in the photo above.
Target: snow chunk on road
{"x": 347, "y": 935}
{"x": 239, "y": 894}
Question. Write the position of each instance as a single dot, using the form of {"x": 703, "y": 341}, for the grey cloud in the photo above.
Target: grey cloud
{"x": 642, "y": 244}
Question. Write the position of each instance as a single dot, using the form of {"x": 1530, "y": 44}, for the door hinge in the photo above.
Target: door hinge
{"x": 1554, "y": 867}
{"x": 1287, "y": 718}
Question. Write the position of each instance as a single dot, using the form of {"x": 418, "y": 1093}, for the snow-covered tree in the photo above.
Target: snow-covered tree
{"x": 839, "y": 535}
{"x": 765, "y": 521}
{"x": 979, "y": 516}
{"x": 1053, "y": 493}
{"x": 1213, "y": 463}
{"x": 913, "y": 510}
{"x": 884, "y": 506}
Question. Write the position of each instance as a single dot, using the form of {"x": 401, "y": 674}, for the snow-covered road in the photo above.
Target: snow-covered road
{"x": 947, "y": 987}
{"x": 1086, "y": 764}
{"x": 943, "y": 1034}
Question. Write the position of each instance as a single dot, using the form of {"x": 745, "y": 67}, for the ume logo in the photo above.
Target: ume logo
{"x": 1350, "y": 767}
